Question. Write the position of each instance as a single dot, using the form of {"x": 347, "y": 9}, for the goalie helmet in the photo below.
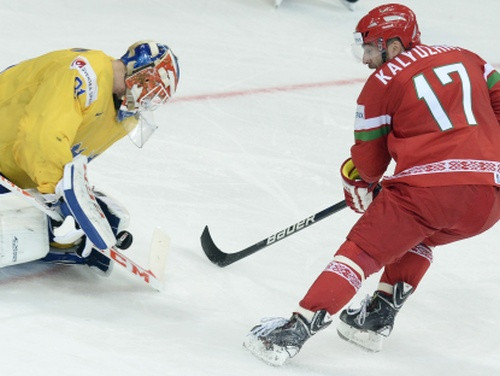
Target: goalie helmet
{"x": 152, "y": 74}
{"x": 151, "y": 78}
{"x": 386, "y": 22}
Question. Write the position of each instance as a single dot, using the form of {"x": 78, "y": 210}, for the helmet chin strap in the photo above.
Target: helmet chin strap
{"x": 384, "y": 55}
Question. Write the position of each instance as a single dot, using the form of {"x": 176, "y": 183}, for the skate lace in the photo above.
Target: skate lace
{"x": 363, "y": 310}
{"x": 267, "y": 325}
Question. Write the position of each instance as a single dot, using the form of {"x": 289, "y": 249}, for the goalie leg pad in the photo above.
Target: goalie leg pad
{"x": 23, "y": 231}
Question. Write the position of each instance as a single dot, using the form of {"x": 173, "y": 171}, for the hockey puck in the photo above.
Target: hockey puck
{"x": 124, "y": 240}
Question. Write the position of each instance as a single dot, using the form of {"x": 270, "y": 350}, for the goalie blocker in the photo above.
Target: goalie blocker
{"x": 80, "y": 201}
{"x": 100, "y": 219}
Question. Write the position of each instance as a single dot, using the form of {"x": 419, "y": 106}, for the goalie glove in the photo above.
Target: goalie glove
{"x": 358, "y": 193}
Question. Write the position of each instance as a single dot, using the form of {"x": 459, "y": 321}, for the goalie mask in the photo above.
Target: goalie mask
{"x": 383, "y": 23}
{"x": 151, "y": 78}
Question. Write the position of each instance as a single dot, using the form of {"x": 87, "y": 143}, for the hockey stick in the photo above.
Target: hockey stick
{"x": 34, "y": 200}
{"x": 222, "y": 259}
{"x": 154, "y": 276}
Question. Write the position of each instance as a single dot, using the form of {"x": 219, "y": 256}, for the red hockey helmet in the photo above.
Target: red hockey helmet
{"x": 386, "y": 22}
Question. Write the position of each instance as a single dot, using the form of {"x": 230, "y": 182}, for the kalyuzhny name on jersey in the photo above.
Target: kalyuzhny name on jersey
{"x": 406, "y": 58}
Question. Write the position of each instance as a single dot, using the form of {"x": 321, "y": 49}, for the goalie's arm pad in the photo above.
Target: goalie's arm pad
{"x": 79, "y": 197}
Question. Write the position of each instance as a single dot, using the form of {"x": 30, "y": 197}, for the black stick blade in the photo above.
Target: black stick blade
{"x": 213, "y": 253}
{"x": 222, "y": 259}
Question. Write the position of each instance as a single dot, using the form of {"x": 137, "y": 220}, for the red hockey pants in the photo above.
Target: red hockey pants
{"x": 400, "y": 219}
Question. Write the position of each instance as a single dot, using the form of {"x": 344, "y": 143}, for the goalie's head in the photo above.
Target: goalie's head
{"x": 151, "y": 77}
{"x": 386, "y": 23}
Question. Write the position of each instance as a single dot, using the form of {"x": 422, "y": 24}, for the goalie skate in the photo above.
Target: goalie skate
{"x": 277, "y": 3}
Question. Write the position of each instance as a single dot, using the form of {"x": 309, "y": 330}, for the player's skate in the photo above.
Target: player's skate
{"x": 277, "y": 339}
{"x": 277, "y": 3}
{"x": 373, "y": 321}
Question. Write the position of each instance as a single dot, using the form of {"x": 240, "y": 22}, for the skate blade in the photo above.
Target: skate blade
{"x": 367, "y": 340}
{"x": 276, "y": 356}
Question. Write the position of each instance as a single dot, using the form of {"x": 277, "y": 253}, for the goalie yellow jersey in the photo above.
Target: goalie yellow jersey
{"x": 53, "y": 108}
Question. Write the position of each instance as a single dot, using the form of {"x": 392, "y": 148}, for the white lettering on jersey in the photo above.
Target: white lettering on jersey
{"x": 403, "y": 64}
{"x": 409, "y": 54}
{"x": 406, "y": 58}
{"x": 394, "y": 68}
{"x": 383, "y": 77}
{"x": 84, "y": 68}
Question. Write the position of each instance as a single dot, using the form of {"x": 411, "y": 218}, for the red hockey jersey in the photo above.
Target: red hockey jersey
{"x": 434, "y": 110}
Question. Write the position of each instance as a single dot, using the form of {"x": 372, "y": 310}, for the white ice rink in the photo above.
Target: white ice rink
{"x": 252, "y": 143}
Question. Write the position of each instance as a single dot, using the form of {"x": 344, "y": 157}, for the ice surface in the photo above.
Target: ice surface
{"x": 252, "y": 143}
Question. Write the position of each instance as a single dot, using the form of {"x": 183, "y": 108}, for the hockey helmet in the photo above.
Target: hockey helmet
{"x": 151, "y": 78}
{"x": 152, "y": 75}
{"x": 386, "y": 22}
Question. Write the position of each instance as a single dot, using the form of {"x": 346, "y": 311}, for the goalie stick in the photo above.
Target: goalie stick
{"x": 222, "y": 259}
{"x": 36, "y": 201}
{"x": 154, "y": 276}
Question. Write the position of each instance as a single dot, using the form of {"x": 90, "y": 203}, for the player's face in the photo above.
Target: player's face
{"x": 372, "y": 56}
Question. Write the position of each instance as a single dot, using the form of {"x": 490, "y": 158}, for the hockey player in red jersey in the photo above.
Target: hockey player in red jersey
{"x": 435, "y": 112}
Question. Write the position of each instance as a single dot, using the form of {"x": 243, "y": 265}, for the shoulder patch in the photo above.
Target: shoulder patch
{"x": 86, "y": 71}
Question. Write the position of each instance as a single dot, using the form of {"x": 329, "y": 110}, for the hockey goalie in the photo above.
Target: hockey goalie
{"x": 58, "y": 112}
